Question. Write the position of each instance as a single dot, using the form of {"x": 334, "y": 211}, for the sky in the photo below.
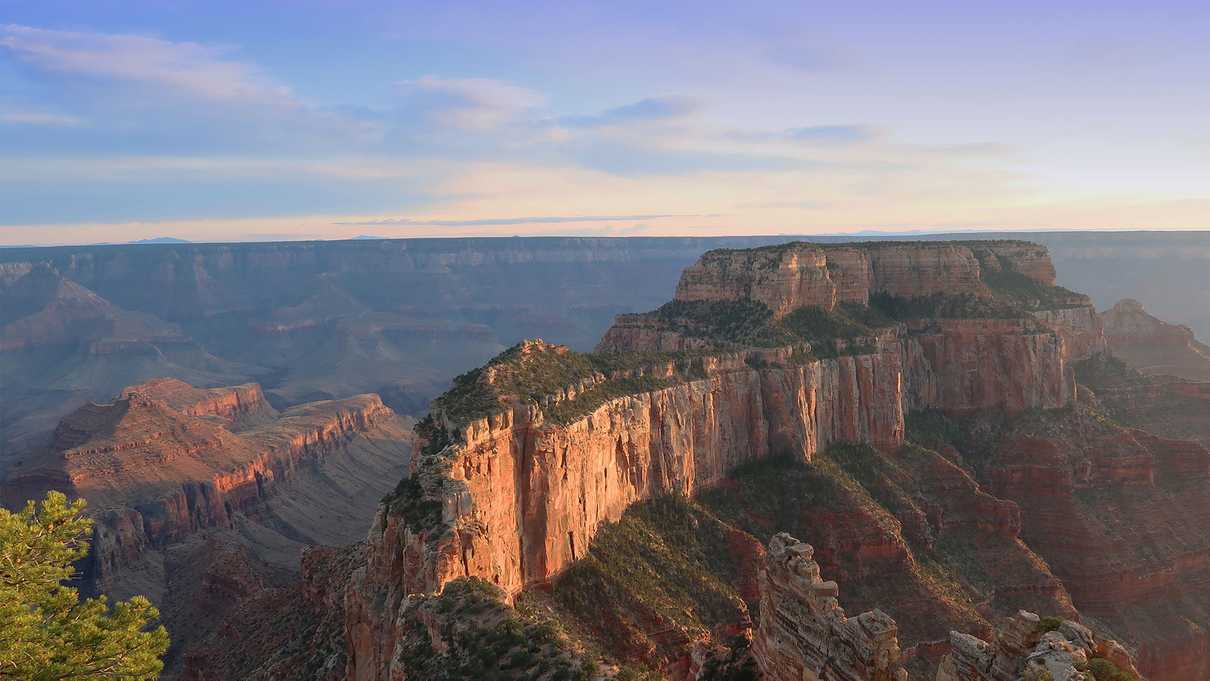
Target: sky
{"x": 220, "y": 121}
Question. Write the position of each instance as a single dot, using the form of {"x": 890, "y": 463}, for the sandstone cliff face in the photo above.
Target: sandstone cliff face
{"x": 792, "y": 275}
{"x": 1027, "y": 648}
{"x": 1030, "y": 259}
{"x": 971, "y": 364}
{"x": 1080, "y": 327}
{"x": 804, "y": 634}
{"x": 948, "y": 364}
{"x": 783, "y": 278}
{"x": 521, "y": 498}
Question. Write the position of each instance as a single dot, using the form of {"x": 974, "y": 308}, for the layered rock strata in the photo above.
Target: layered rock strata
{"x": 790, "y": 276}
{"x": 804, "y": 634}
{"x": 1118, "y": 514}
{"x": 1026, "y": 647}
{"x": 232, "y": 406}
{"x": 154, "y": 475}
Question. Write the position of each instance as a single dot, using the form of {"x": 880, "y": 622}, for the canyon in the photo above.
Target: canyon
{"x": 959, "y": 441}
{"x": 204, "y": 496}
{"x": 526, "y": 459}
{"x": 327, "y": 320}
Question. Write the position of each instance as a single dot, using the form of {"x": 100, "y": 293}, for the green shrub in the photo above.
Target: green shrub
{"x": 1048, "y": 624}
{"x": 1105, "y": 670}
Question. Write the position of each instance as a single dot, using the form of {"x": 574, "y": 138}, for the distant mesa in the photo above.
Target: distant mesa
{"x": 1152, "y": 345}
{"x": 162, "y": 240}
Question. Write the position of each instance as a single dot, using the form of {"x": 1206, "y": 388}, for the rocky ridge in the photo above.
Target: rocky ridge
{"x": 1152, "y": 345}
{"x": 1031, "y": 648}
{"x": 804, "y": 633}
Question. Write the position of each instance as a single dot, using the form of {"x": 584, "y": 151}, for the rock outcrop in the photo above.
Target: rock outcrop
{"x": 204, "y": 498}
{"x": 1030, "y": 648}
{"x": 1154, "y": 346}
{"x": 805, "y": 634}
{"x": 972, "y": 364}
{"x": 233, "y": 407}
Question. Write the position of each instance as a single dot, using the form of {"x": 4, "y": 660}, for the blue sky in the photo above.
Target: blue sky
{"x": 223, "y": 120}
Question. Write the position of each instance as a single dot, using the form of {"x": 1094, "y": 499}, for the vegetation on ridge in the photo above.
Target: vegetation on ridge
{"x": 535, "y": 371}
{"x": 483, "y": 638}
{"x": 666, "y": 573}
{"x": 1019, "y": 289}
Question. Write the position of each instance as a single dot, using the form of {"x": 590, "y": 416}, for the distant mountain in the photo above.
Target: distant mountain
{"x": 161, "y": 240}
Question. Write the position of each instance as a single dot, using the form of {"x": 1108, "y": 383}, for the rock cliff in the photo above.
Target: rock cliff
{"x": 789, "y": 276}
{"x": 805, "y": 634}
{"x": 233, "y": 407}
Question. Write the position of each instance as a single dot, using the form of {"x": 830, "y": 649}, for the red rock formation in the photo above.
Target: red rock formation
{"x": 1024, "y": 257}
{"x": 1154, "y": 346}
{"x": 232, "y": 405}
{"x": 971, "y": 364}
{"x": 514, "y": 498}
{"x": 1079, "y": 326}
{"x": 521, "y": 498}
{"x": 949, "y": 364}
{"x": 155, "y": 475}
{"x": 783, "y": 278}
{"x": 790, "y": 276}
{"x": 803, "y": 631}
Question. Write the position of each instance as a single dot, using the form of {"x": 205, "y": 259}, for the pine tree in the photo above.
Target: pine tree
{"x": 47, "y": 632}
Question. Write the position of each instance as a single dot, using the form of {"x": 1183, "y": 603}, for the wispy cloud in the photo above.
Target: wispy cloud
{"x": 193, "y": 69}
{"x": 472, "y": 103}
{"x": 41, "y": 118}
{"x": 529, "y": 220}
{"x": 642, "y": 111}
{"x": 838, "y": 135}
{"x": 831, "y": 133}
